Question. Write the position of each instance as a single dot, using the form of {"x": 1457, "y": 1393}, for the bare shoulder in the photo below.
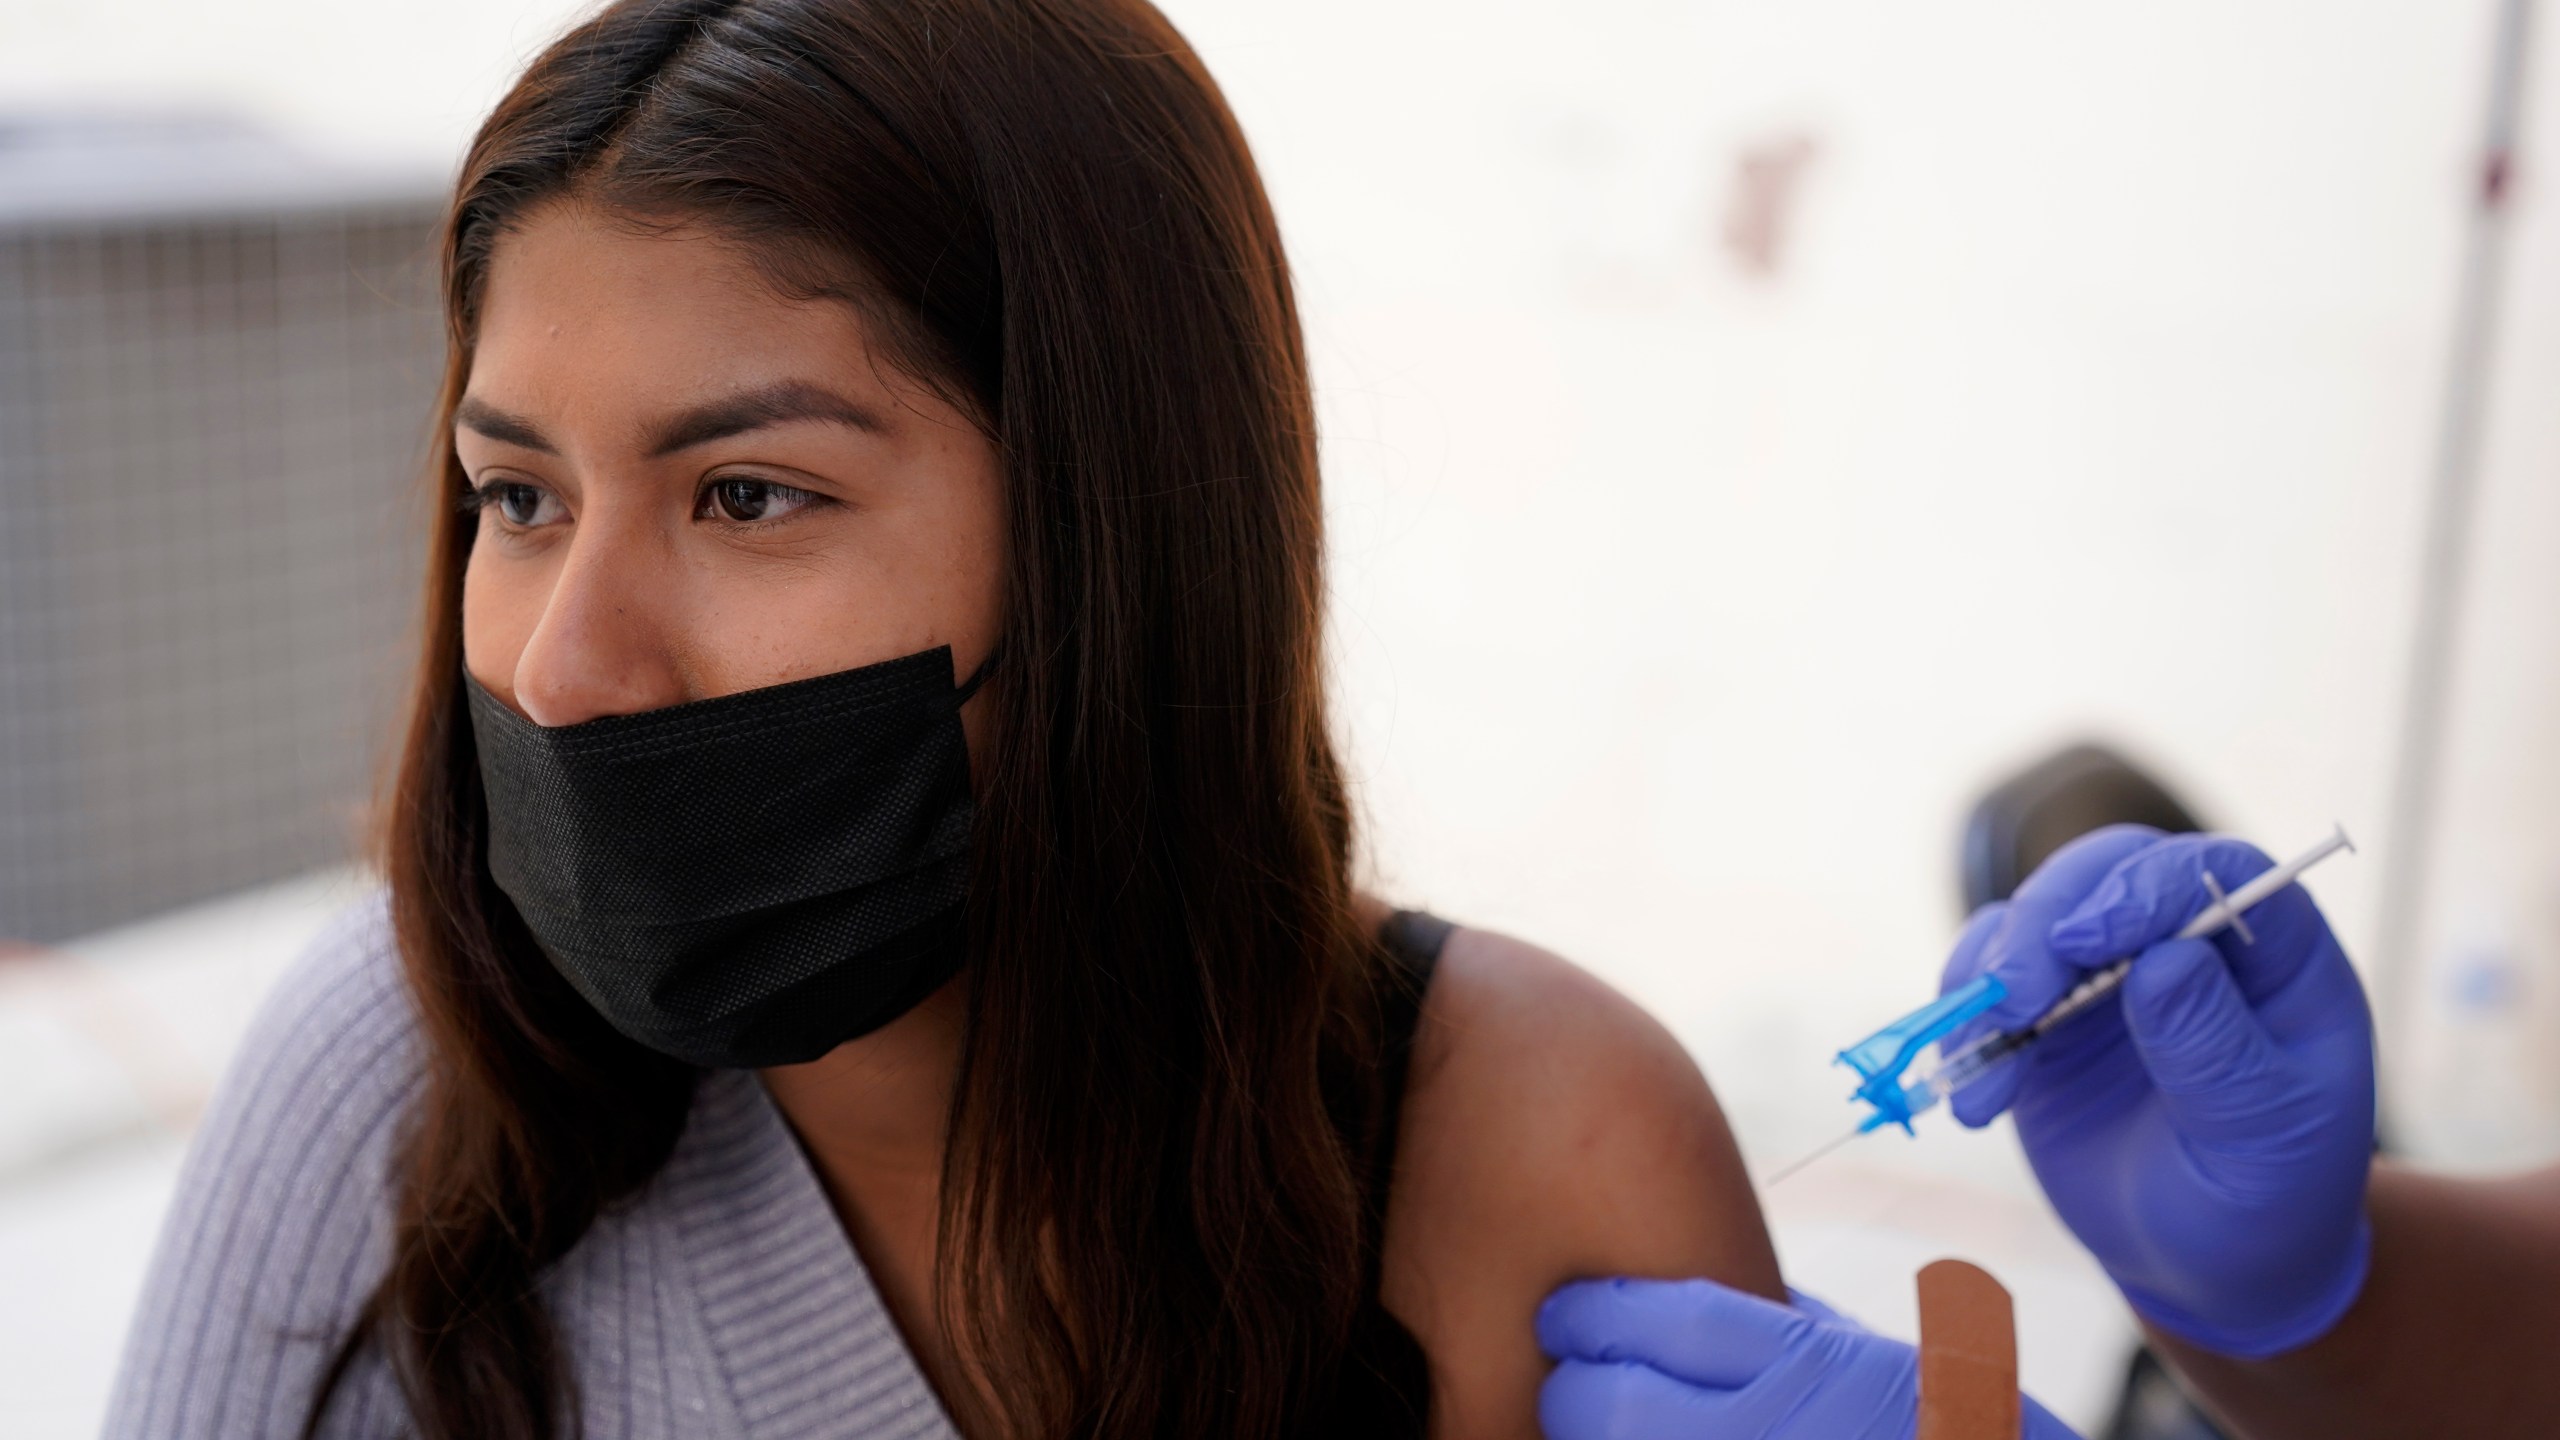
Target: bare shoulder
{"x": 1552, "y": 1130}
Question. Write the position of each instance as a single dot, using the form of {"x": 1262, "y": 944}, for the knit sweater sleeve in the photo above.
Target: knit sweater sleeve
{"x": 280, "y": 1226}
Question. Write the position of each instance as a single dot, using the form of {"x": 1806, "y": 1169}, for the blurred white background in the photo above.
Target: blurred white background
{"x": 1751, "y": 430}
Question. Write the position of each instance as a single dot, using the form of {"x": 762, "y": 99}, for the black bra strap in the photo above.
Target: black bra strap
{"x": 1412, "y": 940}
{"x": 1385, "y": 1392}
{"x": 1416, "y": 937}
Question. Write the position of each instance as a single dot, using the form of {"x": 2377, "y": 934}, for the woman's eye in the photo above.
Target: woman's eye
{"x": 744, "y": 501}
{"x": 520, "y": 506}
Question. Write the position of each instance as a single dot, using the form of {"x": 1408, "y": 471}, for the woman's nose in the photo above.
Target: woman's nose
{"x": 602, "y": 646}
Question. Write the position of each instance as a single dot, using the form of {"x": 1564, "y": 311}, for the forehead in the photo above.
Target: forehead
{"x": 581, "y": 310}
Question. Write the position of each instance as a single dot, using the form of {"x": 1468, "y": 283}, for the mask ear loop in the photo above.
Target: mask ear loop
{"x": 977, "y": 677}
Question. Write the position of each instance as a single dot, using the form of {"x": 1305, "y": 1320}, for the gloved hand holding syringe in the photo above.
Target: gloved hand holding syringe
{"x": 1881, "y": 1058}
{"x": 2207, "y": 1133}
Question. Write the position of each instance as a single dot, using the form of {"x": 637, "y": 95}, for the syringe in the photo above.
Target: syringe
{"x": 1881, "y": 1058}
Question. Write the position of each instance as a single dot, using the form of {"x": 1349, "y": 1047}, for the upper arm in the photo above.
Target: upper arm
{"x": 276, "y": 1234}
{"x": 1552, "y": 1131}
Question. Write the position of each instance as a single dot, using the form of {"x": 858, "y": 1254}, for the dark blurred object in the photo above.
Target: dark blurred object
{"x": 2154, "y": 1408}
{"x": 218, "y": 356}
{"x": 2048, "y": 805}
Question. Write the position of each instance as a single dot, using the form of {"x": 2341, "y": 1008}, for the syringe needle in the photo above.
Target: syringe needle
{"x": 1783, "y": 1171}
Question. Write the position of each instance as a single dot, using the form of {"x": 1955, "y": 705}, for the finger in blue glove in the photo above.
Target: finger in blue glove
{"x": 1694, "y": 1360}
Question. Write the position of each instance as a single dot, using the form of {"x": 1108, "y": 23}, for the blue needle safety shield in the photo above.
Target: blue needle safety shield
{"x": 1881, "y": 1058}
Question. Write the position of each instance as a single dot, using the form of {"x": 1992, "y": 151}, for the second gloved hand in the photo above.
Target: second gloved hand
{"x": 1693, "y": 1360}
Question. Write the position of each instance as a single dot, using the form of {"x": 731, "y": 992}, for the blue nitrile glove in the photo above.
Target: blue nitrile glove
{"x": 2209, "y": 1138}
{"x": 1693, "y": 1360}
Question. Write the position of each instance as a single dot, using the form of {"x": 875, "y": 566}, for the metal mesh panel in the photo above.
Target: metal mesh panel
{"x": 210, "y": 435}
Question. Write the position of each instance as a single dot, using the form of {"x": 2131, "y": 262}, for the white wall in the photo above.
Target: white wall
{"x": 1681, "y": 612}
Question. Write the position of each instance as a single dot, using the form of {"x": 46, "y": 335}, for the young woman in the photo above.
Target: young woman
{"x": 870, "y": 945}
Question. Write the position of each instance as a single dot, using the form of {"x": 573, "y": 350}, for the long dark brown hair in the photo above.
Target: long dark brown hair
{"x": 1152, "y": 1217}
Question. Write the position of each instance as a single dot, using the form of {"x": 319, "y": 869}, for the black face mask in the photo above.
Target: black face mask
{"x": 749, "y": 880}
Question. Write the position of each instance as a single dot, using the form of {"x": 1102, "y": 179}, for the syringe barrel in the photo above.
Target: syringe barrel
{"x": 1987, "y": 1052}
{"x": 2082, "y": 998}
{"x": 1977, "y": 1059}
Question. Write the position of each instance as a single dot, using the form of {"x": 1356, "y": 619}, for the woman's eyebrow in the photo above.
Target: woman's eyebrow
{"x": 487, "y": 419}
{"x": 775, "y": 404}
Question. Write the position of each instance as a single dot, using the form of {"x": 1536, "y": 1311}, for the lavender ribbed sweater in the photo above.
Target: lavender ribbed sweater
{"x": 723, "y": 1301}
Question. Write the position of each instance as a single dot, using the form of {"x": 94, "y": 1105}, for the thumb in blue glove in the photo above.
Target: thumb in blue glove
{"x": 1694, "y": 1360}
